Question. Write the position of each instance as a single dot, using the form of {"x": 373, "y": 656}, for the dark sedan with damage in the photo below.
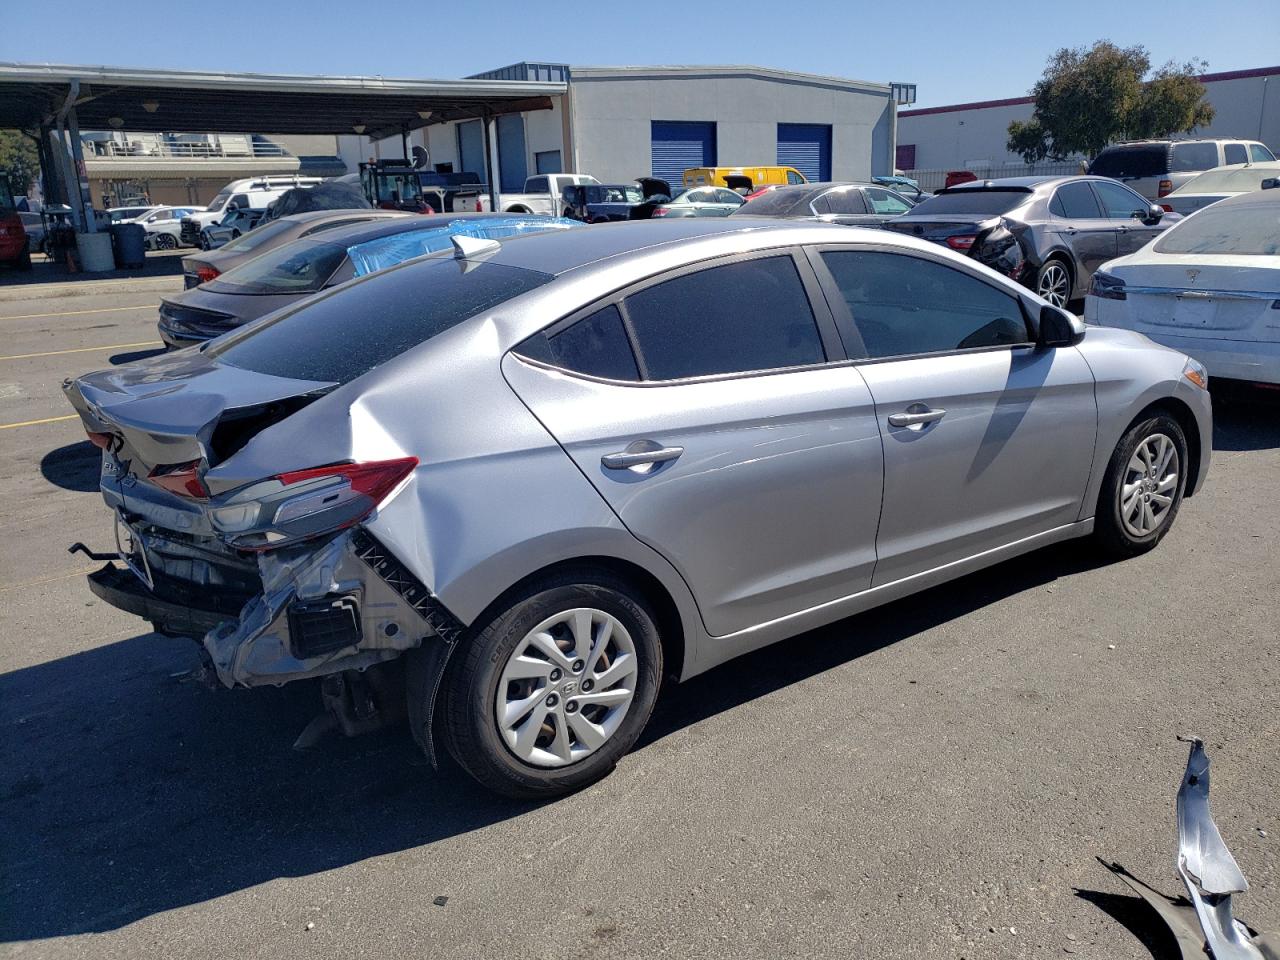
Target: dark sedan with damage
{"x": 1048, "y": 233}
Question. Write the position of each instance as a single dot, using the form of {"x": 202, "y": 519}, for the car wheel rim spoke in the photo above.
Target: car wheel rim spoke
{"x": 566, "y": 687}
{"x": 1053, "y": 286}
{"x": 1147, "y": 490}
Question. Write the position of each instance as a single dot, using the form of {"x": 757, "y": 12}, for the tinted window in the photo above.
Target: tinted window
{"x": 1193, "y": 156}
{"x": 1119, "y": 202}
{"x": 1260, "y": 154}
{"x": 1250, "y": 229}
{"x": 884, "y": 202}
{"x": 1136, "y": 160}
{"x": 981, "y": 202}
{"x": 848, "y": 201}
{"x": 537, "y": 185}
{"x": 596, "y": 345}
{"x": 752, "y": 315}
{"x": 241, "y": 200}
{"x": 1235, "y": 153}
{"x": 778, "y": 203}
{"x": 1074, "y": 201}
{"x": 347, "y": 333}
{"x": 904, "y": 305}
{"x": 299, "y": 267}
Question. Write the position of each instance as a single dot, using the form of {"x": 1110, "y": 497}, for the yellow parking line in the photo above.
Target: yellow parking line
{"x": 76, "y": 313}
{"x": 32, "y": 423}
{"x": 57, "y": 353}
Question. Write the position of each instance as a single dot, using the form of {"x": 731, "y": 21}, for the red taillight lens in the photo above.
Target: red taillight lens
{"x": 180, "y": 478}
{"x": 964, "y": 242}
{"x": 1165, "y": 188}
{"x": 660, "y": 211}
{"x": 205, "y": 273}
{"x": 103, "y": 441}
{"x": 375, "y": 480}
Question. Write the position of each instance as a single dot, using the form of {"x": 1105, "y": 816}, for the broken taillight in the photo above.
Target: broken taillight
{"x": 180, "y": 478}
{"x": 205, "y": 273}
{"x": 375, "y": 480}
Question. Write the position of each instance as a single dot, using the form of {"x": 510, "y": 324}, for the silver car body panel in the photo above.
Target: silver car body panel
{"x": 510, "y": 480}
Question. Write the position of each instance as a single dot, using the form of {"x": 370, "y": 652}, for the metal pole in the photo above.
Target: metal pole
{"x": 490, "y": 166}
{"x": 74, "y": 200}
{"x": 404, "y": 140}
{"x": 82, "y": 175}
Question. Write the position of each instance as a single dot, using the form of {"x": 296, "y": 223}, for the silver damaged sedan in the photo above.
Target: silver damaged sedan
{"x": 515, "y": 486}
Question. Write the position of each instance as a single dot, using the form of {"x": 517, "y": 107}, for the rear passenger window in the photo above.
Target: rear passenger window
{"x": 750, "y": 315}
{"x": 596, "y": 345}
{"x": 847, "y": 201}
{"x": 1235, "y": 153}
{"x": 904, "y": 305}
{"x": 1193, "y": 156}
{"x": 1075, "y": 201}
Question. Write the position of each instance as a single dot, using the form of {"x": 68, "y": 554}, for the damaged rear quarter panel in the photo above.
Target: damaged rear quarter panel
{"x": 494, "y": 498}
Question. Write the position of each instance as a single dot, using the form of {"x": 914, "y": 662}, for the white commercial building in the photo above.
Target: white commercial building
{"x": 973, "y": 136}
{"x": 619, "y": 123}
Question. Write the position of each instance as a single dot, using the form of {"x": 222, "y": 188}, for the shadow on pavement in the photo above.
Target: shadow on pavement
{"x": 159, "y": 263}
{"x": 120, "y": 358}
{"x": 1138, "y": 918}
{"x": 126, "y": 791}
{"x": 1246, "y": 418}
{"x": 74, "y": 467}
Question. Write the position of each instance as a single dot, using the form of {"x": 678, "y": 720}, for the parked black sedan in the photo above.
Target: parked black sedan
{"x": 1048, "y": 233}
{"x": 854, "y": 204}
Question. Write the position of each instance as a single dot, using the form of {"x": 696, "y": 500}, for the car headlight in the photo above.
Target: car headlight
{"x": 1196, "y": 373}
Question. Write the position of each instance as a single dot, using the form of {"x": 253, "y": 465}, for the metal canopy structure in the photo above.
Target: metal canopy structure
{"x": 165, "y": 100}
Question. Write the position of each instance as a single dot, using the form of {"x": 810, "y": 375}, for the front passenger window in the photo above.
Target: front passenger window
{"x": 904, "y": 305}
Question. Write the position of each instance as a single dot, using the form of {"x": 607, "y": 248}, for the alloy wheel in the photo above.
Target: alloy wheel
{"x": 166, "y": 242}
{"x": 566, "y": 687}
{"x": 1149, "y": 486}
{"x": 1055, "y": 284}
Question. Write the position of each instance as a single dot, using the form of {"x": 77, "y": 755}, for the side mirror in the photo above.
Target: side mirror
{"x": 1153, "y": 214}
{"x": 1271, "y": 183}
{"x": 1059, "y": 328}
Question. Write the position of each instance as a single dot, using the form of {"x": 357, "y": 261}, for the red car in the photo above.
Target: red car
{"x": 13, "y": 236}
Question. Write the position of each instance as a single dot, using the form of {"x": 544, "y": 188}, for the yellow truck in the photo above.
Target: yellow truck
{"x": 742, "y": 179}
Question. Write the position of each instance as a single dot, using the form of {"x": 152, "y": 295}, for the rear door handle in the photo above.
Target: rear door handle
{"x": 916, "y": 415}
{"x": 625, "y": 459}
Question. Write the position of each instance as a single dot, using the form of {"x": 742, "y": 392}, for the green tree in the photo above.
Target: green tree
{"x": 19, "y": 159}
{"x": 1090, "y": 97}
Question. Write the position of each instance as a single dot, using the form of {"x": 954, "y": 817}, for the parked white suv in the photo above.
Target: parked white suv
{"x": 255, "y": 193}
{"x": 1155, "y": 168}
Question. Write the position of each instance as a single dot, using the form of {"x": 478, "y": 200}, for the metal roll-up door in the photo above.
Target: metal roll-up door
{"x": 680, "y": 144}
{"x": 512, "y": 166}
{"x": 807, "y": 147}
{"x": 471, "y": 147}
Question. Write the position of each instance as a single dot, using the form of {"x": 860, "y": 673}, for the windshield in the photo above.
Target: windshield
{"x": 218, "y": 202}
{"x": 1251, "y": 230}
{"x": 778, "y": 203}
{"x": 299, "y": 267}
{"x": 328, "y": 338}
{"x": 258, "y": 236}
{"x": 1230, "y": 180}
{"x": 983, "y": 202}
{"x": 1137, "y": 160}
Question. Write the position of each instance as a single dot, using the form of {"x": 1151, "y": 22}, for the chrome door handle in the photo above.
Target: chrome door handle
{"x": 638, "y": 458}
{"x": 915, "y": 417}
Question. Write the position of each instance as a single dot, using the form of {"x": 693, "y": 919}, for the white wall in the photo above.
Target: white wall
{"x": 1247, "y": 107}
{"x": 612, "y": 112}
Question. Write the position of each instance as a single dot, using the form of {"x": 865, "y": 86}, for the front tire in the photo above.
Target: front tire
{"x": 1143, "y": 487}
{"x": 552, "y": 690}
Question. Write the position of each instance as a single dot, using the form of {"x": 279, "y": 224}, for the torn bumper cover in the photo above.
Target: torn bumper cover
{"x": 346, "y": 604}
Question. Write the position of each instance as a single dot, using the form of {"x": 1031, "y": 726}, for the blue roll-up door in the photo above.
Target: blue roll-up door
{"x": 807, "y": 147}
{"x": 512, "y": 166}
{"x": 471, "y": 147}
{"x": 680, "y": 144}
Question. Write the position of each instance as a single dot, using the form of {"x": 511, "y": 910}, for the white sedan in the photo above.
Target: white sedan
{"x": 1208, "y": 286}
{"x": 163, "y": 226}
{"x": 1218, "y": 184}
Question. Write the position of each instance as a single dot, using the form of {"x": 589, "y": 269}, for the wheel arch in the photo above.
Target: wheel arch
{"x": 1182, "y": 413}
{"x": 1064, "y": 257}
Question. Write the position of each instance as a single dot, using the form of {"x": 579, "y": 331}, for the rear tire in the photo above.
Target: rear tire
{"x": 1054, "y": 281}
{"x": 165, "y": 241}
{"x": 551, "y": 690}
{"x": 1143, "y": 487}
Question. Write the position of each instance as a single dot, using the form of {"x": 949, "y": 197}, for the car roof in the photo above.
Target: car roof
{"x": 314, "y": 216}
{"x": 1006, "y": 182}
{"x": 367, "y": 230}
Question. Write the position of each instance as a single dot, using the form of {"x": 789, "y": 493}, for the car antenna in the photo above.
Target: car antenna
{"x": 467, "y": 247}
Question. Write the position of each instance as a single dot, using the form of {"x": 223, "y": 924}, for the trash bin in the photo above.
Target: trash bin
{"x": 95, "y": 252}
{"x": 129, "y": 241}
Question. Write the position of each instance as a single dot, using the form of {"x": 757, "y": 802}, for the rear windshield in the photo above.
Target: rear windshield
{"x": 778, "y": 203}
{"x": 1251, "y": 229}
{"x": 258, "y": 236}
{"x": 299, "y": 267}
{"x": 350, "y": 331}
{"x": 984, "y": 202}
{"x": 1137, "y": 160}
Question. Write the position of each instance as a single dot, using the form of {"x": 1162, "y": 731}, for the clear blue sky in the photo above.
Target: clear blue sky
{"x": 954, "y": 51}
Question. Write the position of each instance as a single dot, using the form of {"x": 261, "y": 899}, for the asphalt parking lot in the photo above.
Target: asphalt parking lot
{"x": 933, "y": 779}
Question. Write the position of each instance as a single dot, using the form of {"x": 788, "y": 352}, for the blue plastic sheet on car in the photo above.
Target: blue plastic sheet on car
{"x": 388, "y": 251}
